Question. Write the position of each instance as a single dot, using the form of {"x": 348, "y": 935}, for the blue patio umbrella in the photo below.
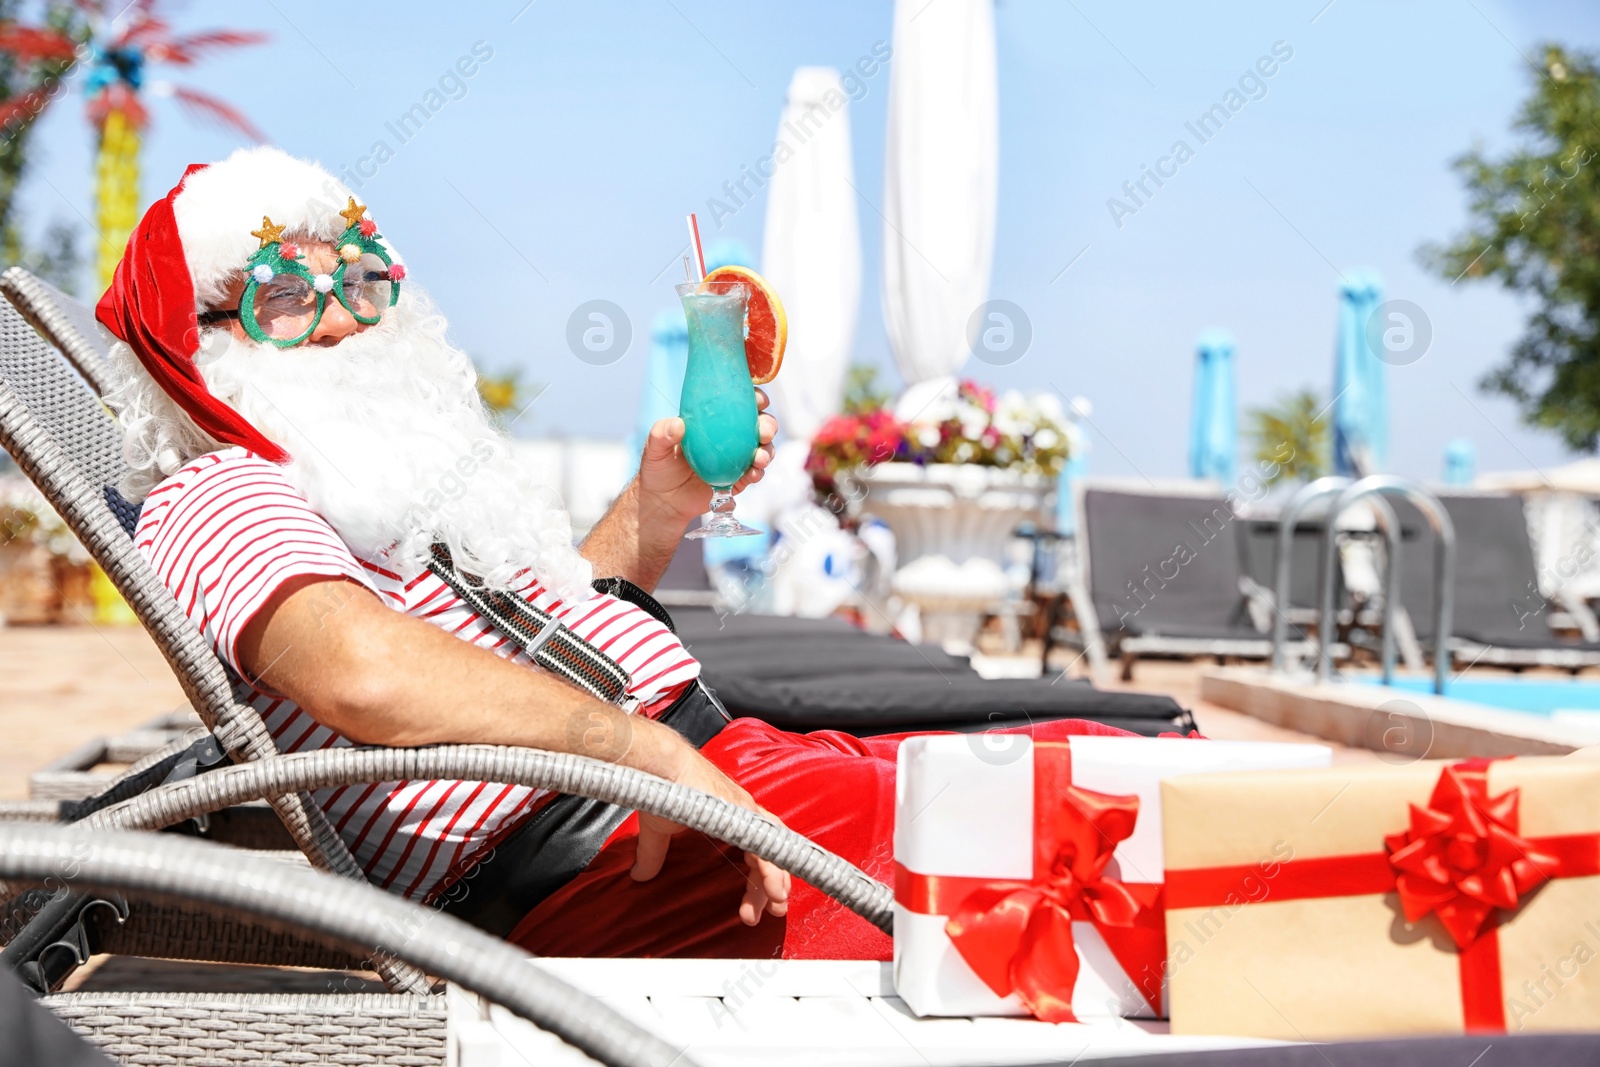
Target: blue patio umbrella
{"x": 1214, "y": 425}
{"x": 1361, "y": 395}
{"x": 1075, "y": 469}
{"x": 663, "y": 375}
{"x": 1072, "y": 472}
{"x": 728, "y": 253}
{"x": 1460, "y": 459}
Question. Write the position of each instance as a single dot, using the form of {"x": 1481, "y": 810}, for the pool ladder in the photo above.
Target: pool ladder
{"x": 1346, "y": 494}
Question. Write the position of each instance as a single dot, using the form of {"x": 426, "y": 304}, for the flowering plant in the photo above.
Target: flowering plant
{"x": 26, "y": 516}
{"x": 1028, "y": 434}
{"x": 858, "y": 440}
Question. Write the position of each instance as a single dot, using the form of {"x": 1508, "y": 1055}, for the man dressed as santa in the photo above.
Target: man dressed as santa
{"x": 326, "y": 498}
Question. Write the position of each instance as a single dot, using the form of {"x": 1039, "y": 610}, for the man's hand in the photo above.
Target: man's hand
{"x": 669, "y": 489}
{"x": 640, "y": 533}
{"x": 766, "y": 887}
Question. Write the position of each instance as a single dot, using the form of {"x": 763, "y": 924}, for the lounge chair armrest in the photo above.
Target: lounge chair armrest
{"x": 562, "y": 772}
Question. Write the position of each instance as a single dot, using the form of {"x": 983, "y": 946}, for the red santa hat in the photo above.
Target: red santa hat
{"x": 186, "y": 251}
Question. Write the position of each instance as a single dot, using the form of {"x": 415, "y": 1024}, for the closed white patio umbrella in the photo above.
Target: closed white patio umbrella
{"x": 940, "y": 175}
{"x": 811, "y": 250}
{"x": 811, "y": 253}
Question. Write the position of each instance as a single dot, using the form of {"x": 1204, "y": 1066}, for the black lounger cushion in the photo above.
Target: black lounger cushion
{"x": 816, "y": 674}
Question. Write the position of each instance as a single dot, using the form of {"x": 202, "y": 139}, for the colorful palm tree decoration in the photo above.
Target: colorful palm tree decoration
{"x": 116, "y": 79}
{"x": 117, "y": 51}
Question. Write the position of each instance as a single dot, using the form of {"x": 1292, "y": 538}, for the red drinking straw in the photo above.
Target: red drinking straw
{"x": 694, "y": 247}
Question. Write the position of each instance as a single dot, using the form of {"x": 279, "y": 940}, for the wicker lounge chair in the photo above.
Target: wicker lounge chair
{"x": 66, "y": 443}
{"x": 383, "y": 1025}
{"x": 335, "y": 911}
{"x": 62, "y": 321}
{"x": 64, "y": 440}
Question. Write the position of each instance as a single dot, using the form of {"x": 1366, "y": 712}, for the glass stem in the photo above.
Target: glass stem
{"x": 722, "y": 510}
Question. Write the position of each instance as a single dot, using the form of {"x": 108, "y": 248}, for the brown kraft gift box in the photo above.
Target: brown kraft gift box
{"x": 1440, "y": 897}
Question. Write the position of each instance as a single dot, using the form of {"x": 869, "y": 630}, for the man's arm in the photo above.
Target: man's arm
{"x": 639, "y": 534}
{"x": 379, "y": 676}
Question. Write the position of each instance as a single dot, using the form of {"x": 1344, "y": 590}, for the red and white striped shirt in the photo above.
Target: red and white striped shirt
{"x": 228, "y": 530}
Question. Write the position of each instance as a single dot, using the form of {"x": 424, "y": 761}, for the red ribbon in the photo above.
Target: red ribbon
{"x": 1017, "y": 935}
{"x": 1462, "y": 858}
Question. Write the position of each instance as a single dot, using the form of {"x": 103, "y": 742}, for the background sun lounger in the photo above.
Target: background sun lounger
{"x": 1500, "y": 617}
{"x": 1258, "y": 541}
{"x": 1164, "y": 573}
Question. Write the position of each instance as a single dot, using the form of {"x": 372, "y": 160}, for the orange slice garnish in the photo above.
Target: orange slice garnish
{"x": 766, "y": 325}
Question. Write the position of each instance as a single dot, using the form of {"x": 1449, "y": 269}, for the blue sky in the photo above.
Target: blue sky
{"x": 563, "y": 171}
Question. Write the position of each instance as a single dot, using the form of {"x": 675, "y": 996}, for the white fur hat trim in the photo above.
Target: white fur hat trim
{"x": 220, "y": 205}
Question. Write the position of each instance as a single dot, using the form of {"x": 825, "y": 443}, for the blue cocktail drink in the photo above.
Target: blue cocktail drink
{"x": 718, "y": 405}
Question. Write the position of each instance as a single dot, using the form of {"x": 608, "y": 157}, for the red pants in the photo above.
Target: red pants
{"x": 833, "y": 788}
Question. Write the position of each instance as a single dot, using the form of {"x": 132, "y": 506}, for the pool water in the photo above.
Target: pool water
{"x": 1538, "y": 696}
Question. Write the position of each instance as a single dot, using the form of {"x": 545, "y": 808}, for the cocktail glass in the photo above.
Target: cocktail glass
{"x": 718, "y": 405}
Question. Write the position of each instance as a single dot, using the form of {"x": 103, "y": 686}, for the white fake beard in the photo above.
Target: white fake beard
{"x": 391, "y": 444}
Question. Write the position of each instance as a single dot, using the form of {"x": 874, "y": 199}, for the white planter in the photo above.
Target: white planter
{"x": 951, "y": 522}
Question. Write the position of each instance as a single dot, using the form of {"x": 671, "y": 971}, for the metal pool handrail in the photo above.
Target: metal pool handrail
{"x": 1443, "y": 573}
{"x": 1306, "y": 496}
{"x": 1302, "y": 499}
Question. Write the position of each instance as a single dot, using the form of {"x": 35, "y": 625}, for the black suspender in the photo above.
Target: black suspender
{"x": 540, "y": 635}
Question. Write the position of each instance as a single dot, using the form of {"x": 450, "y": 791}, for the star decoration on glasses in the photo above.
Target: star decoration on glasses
{"x": 269, "y": 234}
{"x": 352, "y": 214}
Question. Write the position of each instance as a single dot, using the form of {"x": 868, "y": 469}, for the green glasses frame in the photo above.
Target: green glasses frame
{"x": 279, "y": 257}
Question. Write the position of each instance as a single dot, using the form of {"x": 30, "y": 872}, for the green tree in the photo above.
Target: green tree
{"x": 861, "y": 392}
{"x": 34, "y": 61}
{"x": 1535, "y": 228}
{"x": 1291, "y": 434}
{"x": 507, "y": 394}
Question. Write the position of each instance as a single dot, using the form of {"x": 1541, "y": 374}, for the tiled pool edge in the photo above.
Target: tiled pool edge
{"x": 1365, "y": 716}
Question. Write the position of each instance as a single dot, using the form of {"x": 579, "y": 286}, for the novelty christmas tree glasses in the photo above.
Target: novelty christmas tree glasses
{"x": 283, "y": 300}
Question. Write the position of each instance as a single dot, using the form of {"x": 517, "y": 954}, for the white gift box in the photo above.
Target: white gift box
{"x": 964, "y": 808}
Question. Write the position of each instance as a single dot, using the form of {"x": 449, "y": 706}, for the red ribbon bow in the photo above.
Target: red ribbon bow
{"x": 1017, "y": 935}
{"x": 1462, "y": 856}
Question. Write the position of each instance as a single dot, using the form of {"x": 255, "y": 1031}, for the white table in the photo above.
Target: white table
{"x": 792, "y": 1012}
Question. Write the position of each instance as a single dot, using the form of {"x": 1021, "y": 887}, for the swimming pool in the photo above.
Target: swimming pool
{"x": 1550, "y": 697}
